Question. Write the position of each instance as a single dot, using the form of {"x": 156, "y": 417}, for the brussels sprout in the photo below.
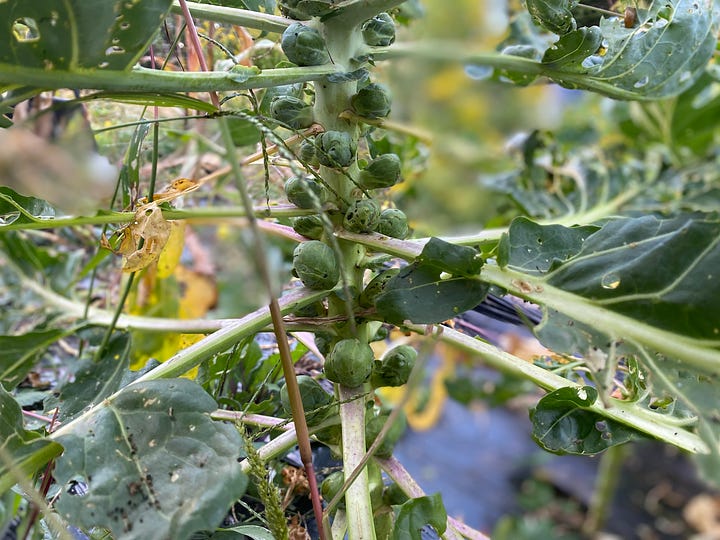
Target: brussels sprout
{"x": 316, "y": 309}
{"x": 315, "y": 400}
{"x": 379, "y": 31}
{"x": 376, "y": 286}
{"x": 350, "y": 363}
{"x": 372, "y": 101}
{"x": 324, "y": 343}
{"x": 381, "y": 172}
{"x": 316, "y": 265}
{"x": 304, "y": 46}
{"x": 309, "y": 226}
{"x": 335, "y": 148}
{"x": 375, "y": 483}
{"x": 362, "y": 216}
{"x": 394, "y": 368}
{"x": 304, "y": 9}
{"x": 330, "y": 487}
{"x": 307, "y": 153}
{"x": 305, "y": 192}
{"x": 393, "y": 223}
{"x": 292, "y": 111}
{"x": 372, "y": 430}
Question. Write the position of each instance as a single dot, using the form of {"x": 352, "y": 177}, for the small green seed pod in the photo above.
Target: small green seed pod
{"x": 363, "y": 216}
{"x": 381, "y": 172}
{"x": 307, "y": 153}
{"x": 305, "y": 192}
{"x": 315, "y": 400}
{"x": 330, "y": 487}
{"x": 309, "y": 226}
{"x": 394, "y": 368}
{"x": 335, "y": 148}
{"x": 393, "y": 223}
{"x": 372, "y": 101}
{"x": 292, "y": 112}
{"x": 316, "y": 265}
{"x": 376, "y": 286}
{"x": 350, "y": 363}
{"x": 379, "y": 31}
{"x": 304, "y": 46}
{"x": 372, "y": 430}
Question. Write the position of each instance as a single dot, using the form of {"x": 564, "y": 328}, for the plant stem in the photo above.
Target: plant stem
{"x": 606, "y": 481}
{"x": 239, "y": 17}
{"x": 629, "y": 414}
{"x": 358, "y": 507}
{"x": 152, "y": 81}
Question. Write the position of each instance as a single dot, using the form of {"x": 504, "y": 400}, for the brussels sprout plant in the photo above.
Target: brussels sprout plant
{"x": 162, "y": 418}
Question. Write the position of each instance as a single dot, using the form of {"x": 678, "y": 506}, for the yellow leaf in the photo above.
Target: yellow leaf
{"x": 199, "y": 293}
{"x": 144, "y": 239}
{"x": 170, "y": 255}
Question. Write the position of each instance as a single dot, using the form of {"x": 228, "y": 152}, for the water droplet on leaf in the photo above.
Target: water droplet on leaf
{"x": 610, "y": 281}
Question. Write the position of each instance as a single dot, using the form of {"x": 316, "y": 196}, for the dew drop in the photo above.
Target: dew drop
{"x": 642, "y": 82}
{"x": 479, "y": 73}
{"x": 610, "y": 281}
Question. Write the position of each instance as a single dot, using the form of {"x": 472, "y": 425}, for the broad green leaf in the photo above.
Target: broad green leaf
{"x": 538, "y": 248}
{"x": 419, "y": 294}
{"x": 456, "y": 260}
{"x": 424, "y": 293}
{"x": 152, "y": 464}
{"x": 19, "y": 353}
{"x": 244, "y": 132}
{"x": 27, "y": 450}
{"x": 562, "y": 425}
{"x": 94, "y": 381}
{"x": 659, "y": 271}
{"x": 569, "y": 52}
{"x": 663, "y": 54}
{"x": 553, "y": 15}
{"x": 16, "y": 208}
{"x": 412, "y": 516}
{"x": 74, "y": 34}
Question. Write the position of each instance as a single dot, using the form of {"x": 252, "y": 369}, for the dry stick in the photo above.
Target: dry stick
{"x": 298, "y": 413}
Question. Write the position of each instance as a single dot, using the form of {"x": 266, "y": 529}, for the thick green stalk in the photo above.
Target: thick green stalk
{"x": 606, "y": 481}
{"x": 239, "y": 17}
{"x": 149, "y": 80}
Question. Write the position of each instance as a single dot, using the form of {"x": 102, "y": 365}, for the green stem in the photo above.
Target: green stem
{"x": 240, "y": 17}
{"x": 606, "y": 482}
{"x": 357, "y": 497}
{"x": 149, "y": 80}
{"x": 194, "y": 214}
{"x": 358, "y": 11}
{"x": 630, "y": 414}
{"x": 457, "y": 53}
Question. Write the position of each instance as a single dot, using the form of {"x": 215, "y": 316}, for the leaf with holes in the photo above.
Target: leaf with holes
{"x": 562, "y": 424}
{"x": 150, "y": 463}
{"x": 72, "y": 35}
{"x": 16, "y": 208}
{"x": 569, "y": 52}
{"x": 26, "y": 450}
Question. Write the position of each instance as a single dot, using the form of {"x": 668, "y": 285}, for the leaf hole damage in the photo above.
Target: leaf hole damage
{"x": 25, "y": 30}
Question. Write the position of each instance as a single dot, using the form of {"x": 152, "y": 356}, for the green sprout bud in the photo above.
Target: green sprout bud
{"x": 316, "y": 265}
{"x": 315, "y": 400}
{"x": 379, "y": 31}
{"x": 363, "y": 216}
{"x": 381, "y": 172}
{"x": 372, "y": 101}
{"x": 304, "y": 46}
{"x": 376, "y": 287}
{"x": 372, "y": 430}
{"x": 309, "y": 226}
{"x": 350, "y": 363}
{"x": 307, "y": 154}
{"x": 394, "y": 368}
{"x": 305, "y": 9}
{"x": 305, "y": 192}
{"x": 393, "y": 223}
{"x": 330, "y": 487}
{"x": 335, "y": 148}
{"x": 292, "y": 112}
